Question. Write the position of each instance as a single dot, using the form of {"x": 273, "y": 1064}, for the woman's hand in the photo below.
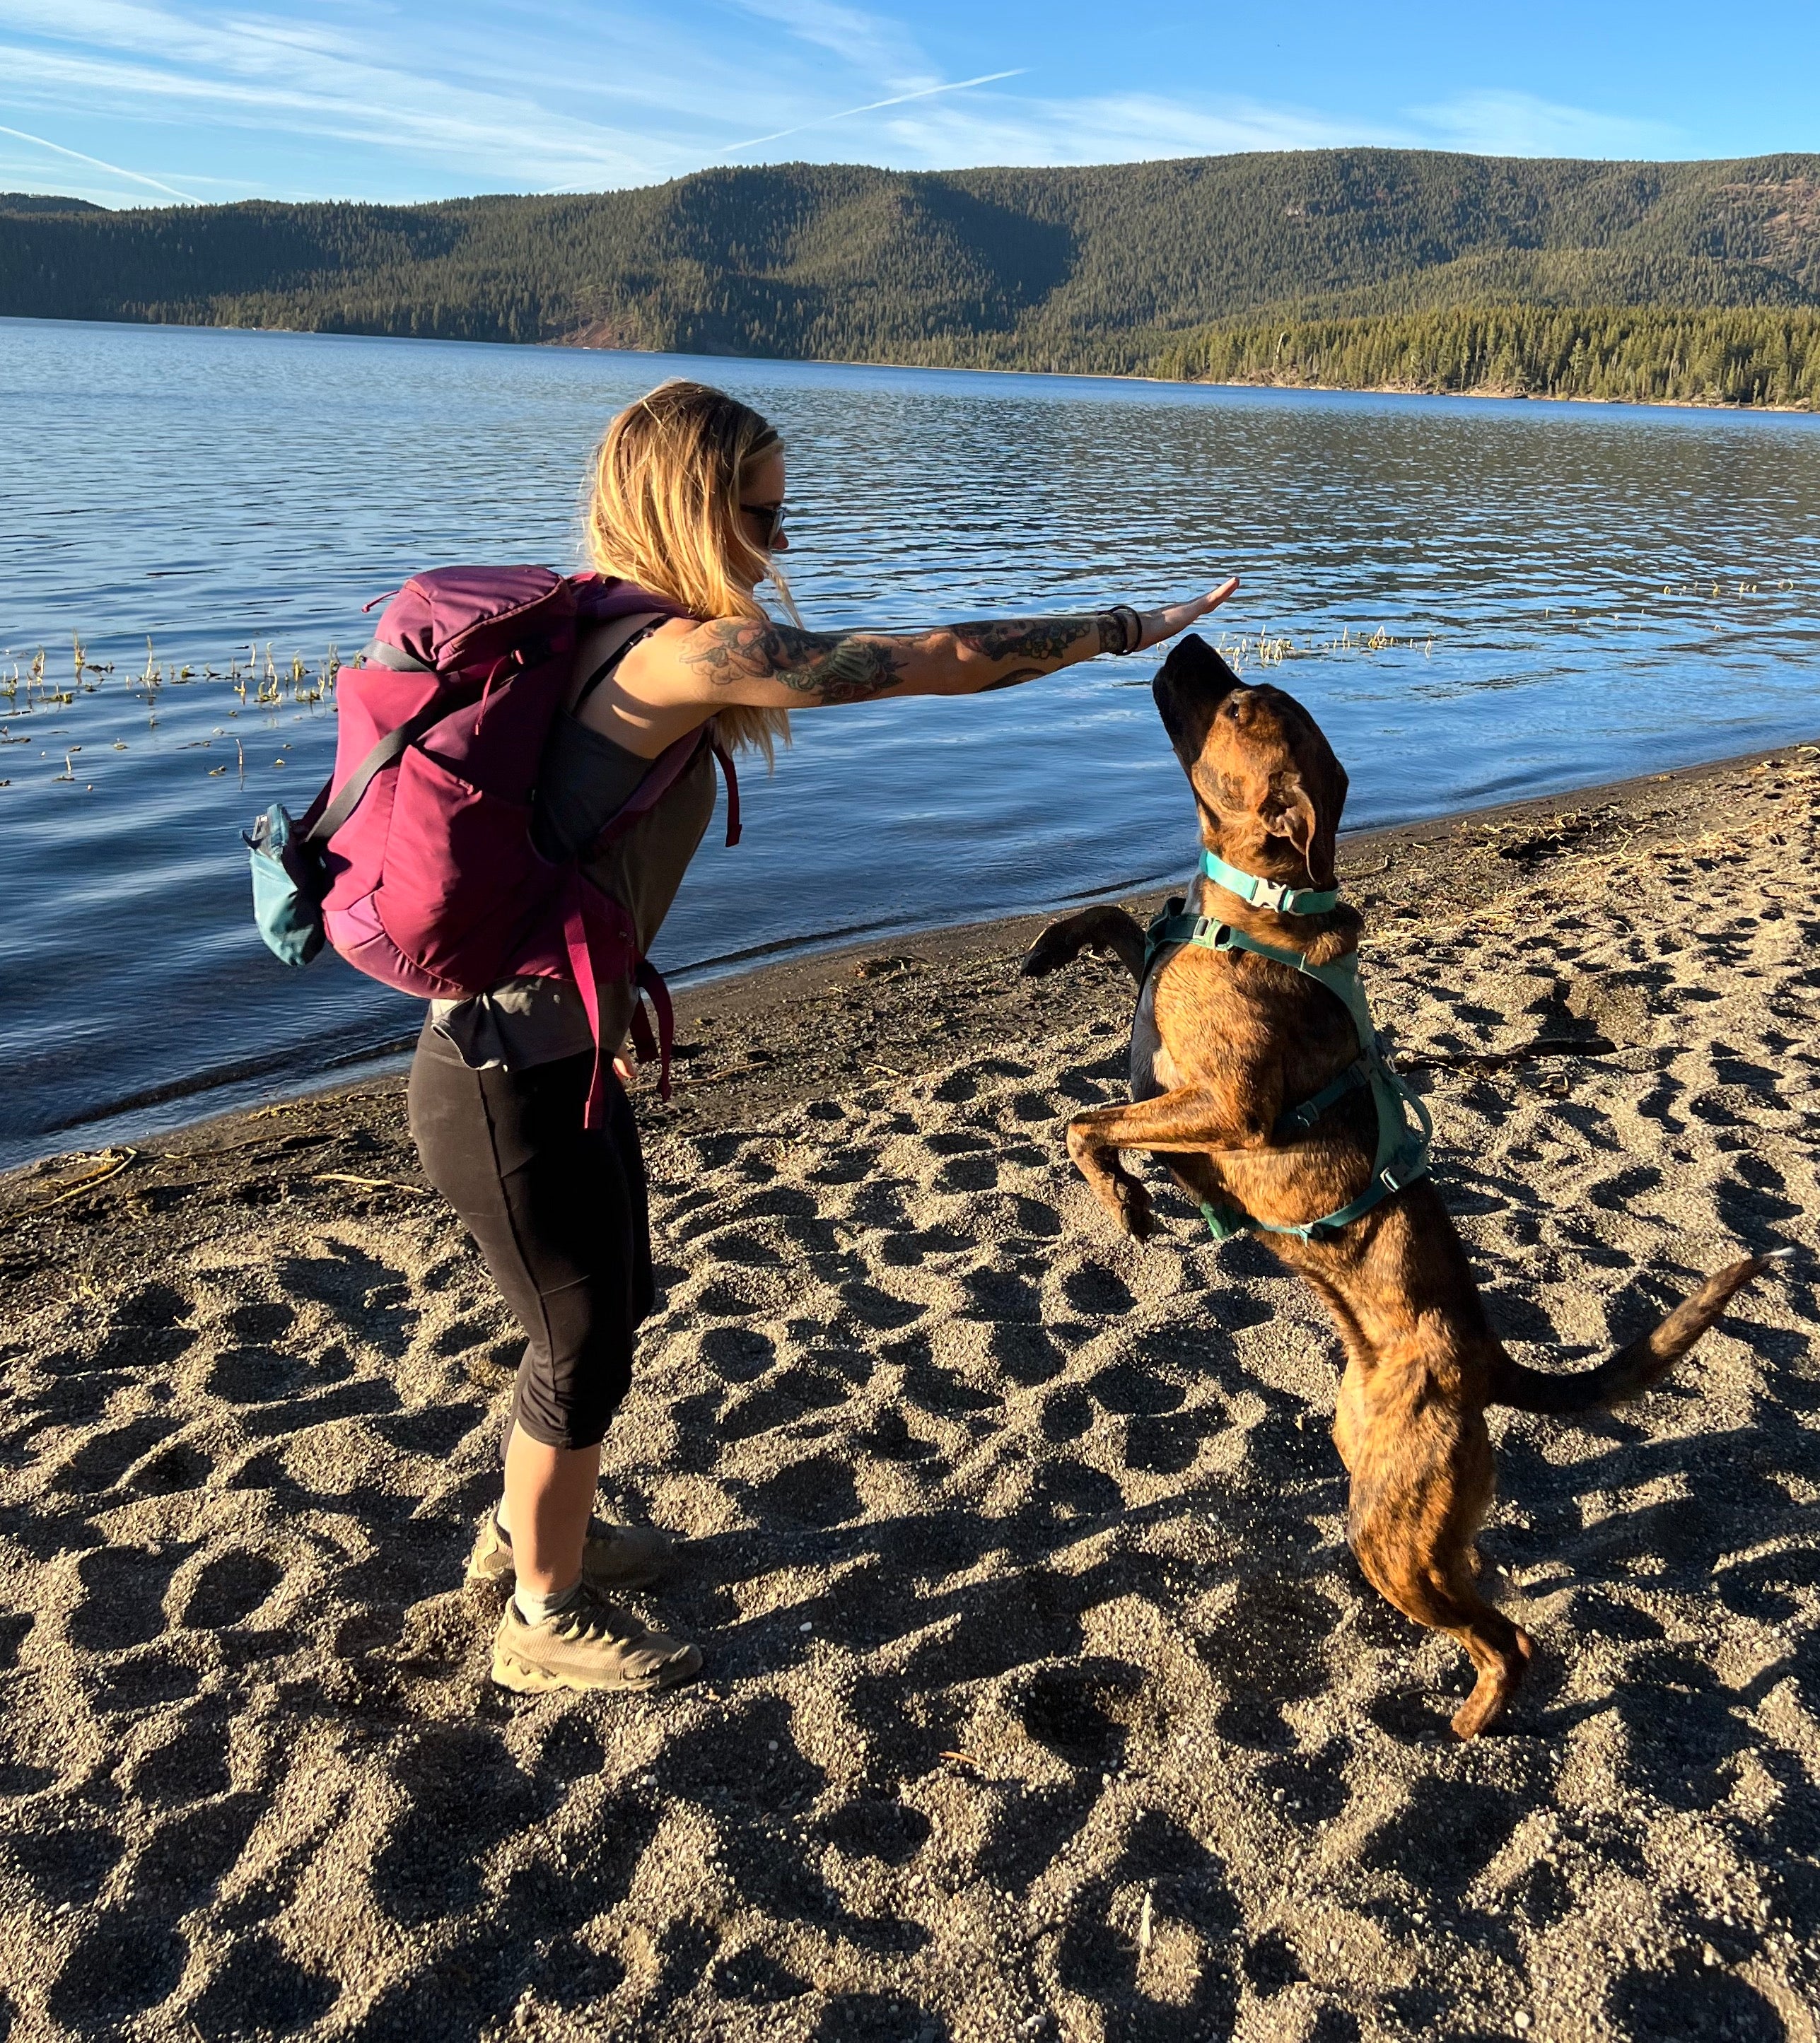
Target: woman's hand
{"x": 1161, "y": 624}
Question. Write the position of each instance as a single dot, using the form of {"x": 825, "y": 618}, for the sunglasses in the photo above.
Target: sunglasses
{"x": 770, "y": 518}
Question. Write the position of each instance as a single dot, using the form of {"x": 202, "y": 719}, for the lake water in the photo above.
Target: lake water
{"x": 1574, "y": 593}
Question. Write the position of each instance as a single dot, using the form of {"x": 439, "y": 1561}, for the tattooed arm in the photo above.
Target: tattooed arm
{"x": 780, "y": 666}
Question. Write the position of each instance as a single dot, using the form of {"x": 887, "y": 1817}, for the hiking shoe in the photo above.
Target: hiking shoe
{"x": 592, "y": 1644}
{"x": 615, "y": 1556}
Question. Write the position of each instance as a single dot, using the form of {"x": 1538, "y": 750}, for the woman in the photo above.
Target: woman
{"x": 687, "y": 503}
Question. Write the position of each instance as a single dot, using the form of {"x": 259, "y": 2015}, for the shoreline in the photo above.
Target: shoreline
{"x": 1140, "y": 376}
{"x": 1510, "y": 397}
{"x": 770, "y": 990}
{"x": 964, "y": 369}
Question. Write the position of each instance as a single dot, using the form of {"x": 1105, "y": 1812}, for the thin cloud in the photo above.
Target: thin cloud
{"x": 1143, "y": 127}
{"x": 1514, "y": 124}
{"x": 114, "y": 170}
{"x": 1114, "y": 128}
{"x": 871, "y": 106}
{"x": 868, "y": 42}
{"x": 320, "y": 84}
{"x": 506, "y": 134}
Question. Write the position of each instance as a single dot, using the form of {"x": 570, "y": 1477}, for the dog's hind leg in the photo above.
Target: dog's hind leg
{"x": 1422, "y": 1481}
{"x": 1087, "y": 930}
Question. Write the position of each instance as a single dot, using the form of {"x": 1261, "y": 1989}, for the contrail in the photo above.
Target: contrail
{"x": 871, "y": 106}
{"x": 189, "y": 197}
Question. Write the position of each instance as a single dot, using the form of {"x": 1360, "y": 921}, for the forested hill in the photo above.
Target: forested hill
{"x": 1111, "y": 268}
{"x": 38, "y": 202}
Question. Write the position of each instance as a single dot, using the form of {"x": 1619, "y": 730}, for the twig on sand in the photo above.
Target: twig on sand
{"x": 111, "y": 1163}
{"x": 213, "y": 1150}
{"x": 1590, "y": 1047}
{"x": 372, "y": 1184}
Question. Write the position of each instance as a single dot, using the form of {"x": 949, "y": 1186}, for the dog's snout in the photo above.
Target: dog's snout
{"x": 1189, "y": 688}
{"x": 1194, "y": 665}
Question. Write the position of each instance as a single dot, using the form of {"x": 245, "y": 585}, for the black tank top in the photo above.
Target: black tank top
{"x": 586, "y": 778}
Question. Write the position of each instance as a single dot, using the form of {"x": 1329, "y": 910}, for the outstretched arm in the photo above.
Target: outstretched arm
{"x": 768, "y": 665}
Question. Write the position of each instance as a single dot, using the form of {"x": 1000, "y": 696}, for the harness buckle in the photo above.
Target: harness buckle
{"x": 1204, "y": 927}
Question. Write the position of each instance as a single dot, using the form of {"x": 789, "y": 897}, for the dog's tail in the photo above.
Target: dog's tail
{"x": 1087, "y": 930}
{"x": 1635, "y": 1369}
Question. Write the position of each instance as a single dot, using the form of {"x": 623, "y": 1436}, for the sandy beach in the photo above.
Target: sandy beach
{"x": 1042, "y": 1698}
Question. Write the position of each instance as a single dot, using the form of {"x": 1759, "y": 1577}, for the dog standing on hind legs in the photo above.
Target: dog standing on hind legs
{"x": 1255, "y": 1073}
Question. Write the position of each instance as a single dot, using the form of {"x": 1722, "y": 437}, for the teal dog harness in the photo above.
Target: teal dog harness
{"x": 1402, "y": 1154}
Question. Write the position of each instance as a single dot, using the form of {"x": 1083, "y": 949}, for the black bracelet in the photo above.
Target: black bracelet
{"x": 1133, "y": 633}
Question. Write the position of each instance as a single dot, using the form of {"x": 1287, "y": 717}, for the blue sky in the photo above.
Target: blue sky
{"x": 134, "y": 102}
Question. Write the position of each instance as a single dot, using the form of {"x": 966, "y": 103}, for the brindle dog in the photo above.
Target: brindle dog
{"x": 1224, "y": 1040}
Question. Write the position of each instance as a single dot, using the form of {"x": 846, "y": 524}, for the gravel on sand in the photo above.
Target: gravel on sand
{"x": 1043, "y": 1696}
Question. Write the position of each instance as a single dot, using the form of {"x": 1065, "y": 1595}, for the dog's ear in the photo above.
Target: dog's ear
{"x": 1288, "y": 811}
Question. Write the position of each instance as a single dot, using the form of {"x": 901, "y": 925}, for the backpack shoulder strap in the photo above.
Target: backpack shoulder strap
{"x": 620, "y": 636}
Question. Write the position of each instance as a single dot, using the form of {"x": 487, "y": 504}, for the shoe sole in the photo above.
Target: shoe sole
{"x": 522, "y": 1679}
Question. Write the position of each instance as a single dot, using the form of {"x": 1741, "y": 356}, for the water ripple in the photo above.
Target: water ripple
{"x": 1556, "y": 594}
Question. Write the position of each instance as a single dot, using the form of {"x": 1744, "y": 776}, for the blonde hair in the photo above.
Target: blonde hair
{"x": 663, "y": 511}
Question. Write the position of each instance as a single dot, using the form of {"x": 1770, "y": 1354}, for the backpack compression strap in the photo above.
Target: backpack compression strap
{"x": 325, "y": 816}
{"x": 732, "y": 779}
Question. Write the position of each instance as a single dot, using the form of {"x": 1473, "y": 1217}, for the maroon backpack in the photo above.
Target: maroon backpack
{"x": 427, "y": 877}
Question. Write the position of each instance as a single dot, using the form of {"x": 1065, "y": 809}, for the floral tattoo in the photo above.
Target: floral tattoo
{"x": 832, "y": 667}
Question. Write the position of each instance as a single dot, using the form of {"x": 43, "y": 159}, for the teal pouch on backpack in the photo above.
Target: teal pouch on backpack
{"x": 288, "y": 886}
{"x": 289, "y": 883}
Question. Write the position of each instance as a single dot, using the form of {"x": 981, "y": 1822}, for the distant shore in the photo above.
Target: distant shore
{"x": 1504, "y": 396}
{"x": 577, "y": 343}
{"x": 1488, "y": 393}
{"x": 1353, "y": 268}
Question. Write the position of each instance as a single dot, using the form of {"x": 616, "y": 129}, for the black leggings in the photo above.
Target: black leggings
{"x": 558, "y": 1213}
